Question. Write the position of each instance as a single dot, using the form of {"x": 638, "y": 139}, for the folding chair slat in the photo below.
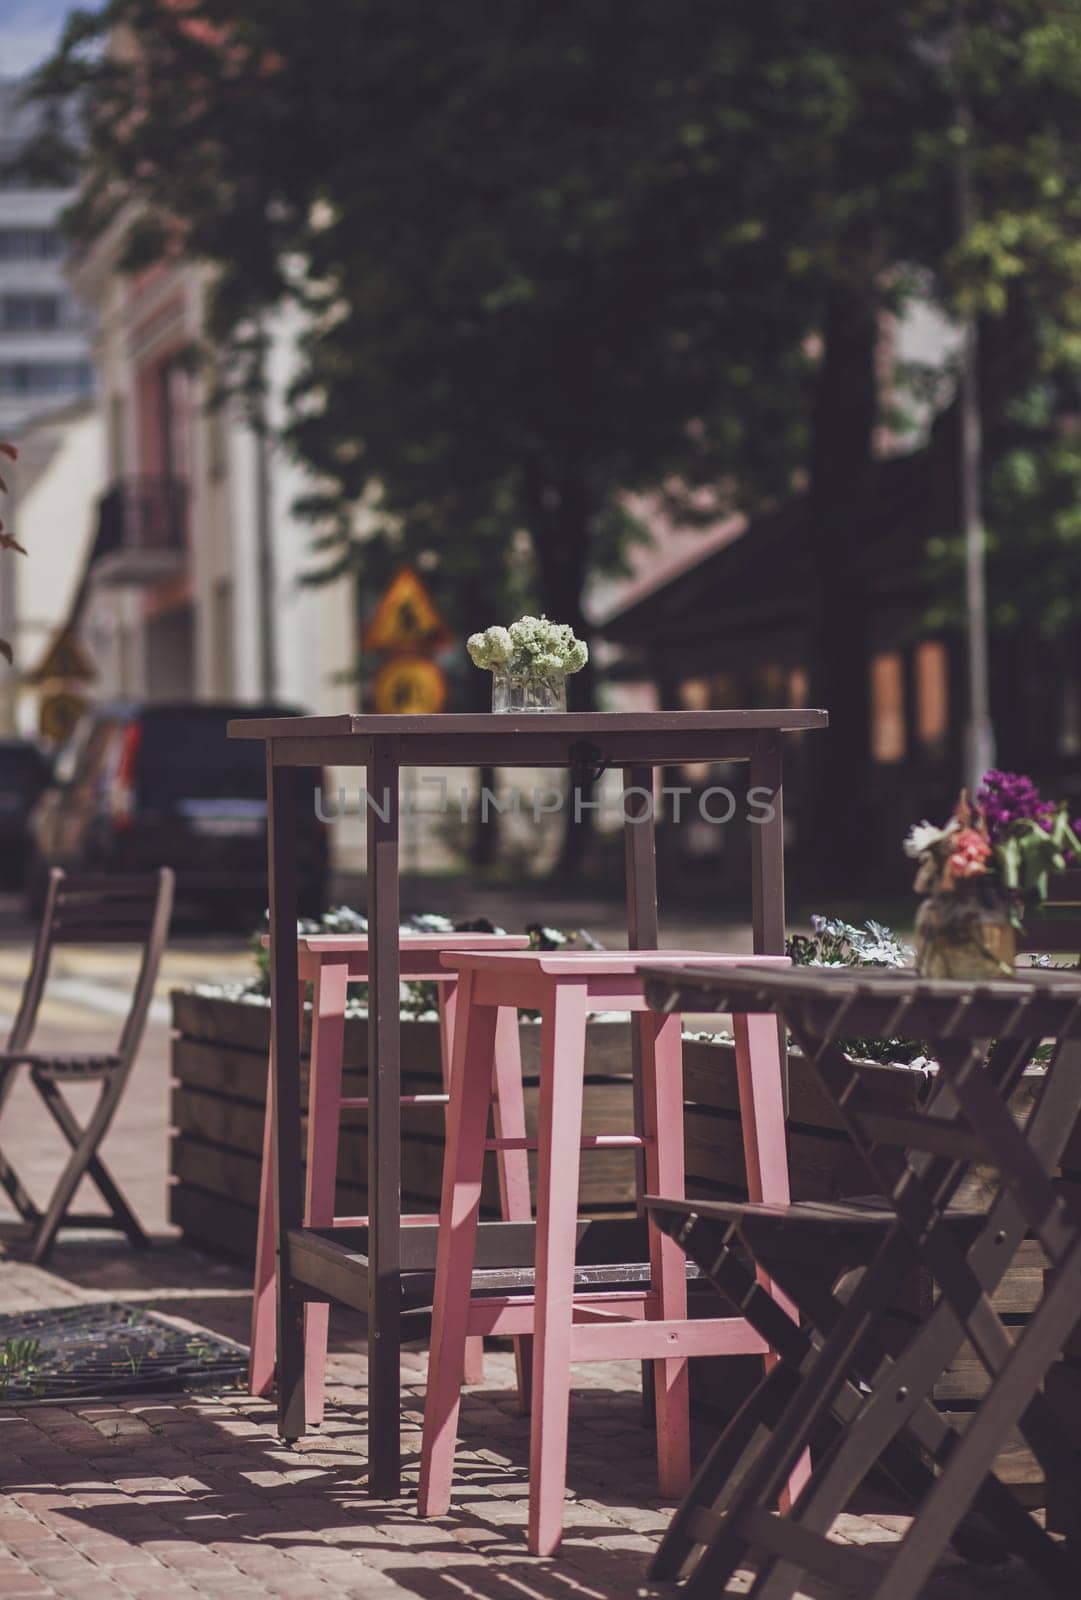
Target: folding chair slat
{"x": 841, "y": 1564}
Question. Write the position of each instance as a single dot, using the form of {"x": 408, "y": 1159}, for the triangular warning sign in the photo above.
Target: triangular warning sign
{"x": 65, "y": 658}
{"x": 406, "y": 618}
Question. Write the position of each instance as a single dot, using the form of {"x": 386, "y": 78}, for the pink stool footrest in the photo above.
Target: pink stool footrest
{"x": 361, "y": 1102}
{"x": 589, "y": 1141}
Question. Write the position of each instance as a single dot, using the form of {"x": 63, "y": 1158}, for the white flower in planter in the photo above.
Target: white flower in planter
{"x": 532, "y": 647}
{"x": 923, "y": 836}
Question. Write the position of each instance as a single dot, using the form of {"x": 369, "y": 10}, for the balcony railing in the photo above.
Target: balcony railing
{"x": 142, "y": 530}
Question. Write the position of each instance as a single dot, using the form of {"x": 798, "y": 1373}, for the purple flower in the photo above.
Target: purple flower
{"x": 1004, "y": 797}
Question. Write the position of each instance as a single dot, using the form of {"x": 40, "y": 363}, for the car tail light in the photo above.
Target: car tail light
{"x": 122, "y": 788}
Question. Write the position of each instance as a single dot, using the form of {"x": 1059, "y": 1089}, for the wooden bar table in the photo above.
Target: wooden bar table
{"x": 375, "y": 1273}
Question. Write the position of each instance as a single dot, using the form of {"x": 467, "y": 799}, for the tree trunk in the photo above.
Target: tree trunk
{"x": 840, "y": 513}
{"x": 562, "y": 540}
{"x": 485, "y": 832}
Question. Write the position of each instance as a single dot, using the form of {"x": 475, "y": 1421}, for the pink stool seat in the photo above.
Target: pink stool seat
{"x": 330, "y": 962}
{"x": 569, "y": 1326}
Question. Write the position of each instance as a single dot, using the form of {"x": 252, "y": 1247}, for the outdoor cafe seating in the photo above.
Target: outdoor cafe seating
{"x": 808, "y": 1287}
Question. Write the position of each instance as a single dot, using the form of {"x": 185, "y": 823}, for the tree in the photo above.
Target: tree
{"x": 537, "y": 277}
{"x": 551, "y": 255}
{"x": 538, "y": 250}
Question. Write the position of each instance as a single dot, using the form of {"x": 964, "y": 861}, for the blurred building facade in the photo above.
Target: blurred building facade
{"x": 46, "y": 407}
{"x": 193, "y": 585}
{"x": 44, "y": 330}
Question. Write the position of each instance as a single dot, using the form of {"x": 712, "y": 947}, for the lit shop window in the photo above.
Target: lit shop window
{"x": 888, "y": 707}
{"x": 932, "y": 694}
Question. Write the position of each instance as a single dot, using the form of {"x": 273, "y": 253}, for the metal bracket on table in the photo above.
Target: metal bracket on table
{"x": 587, "y": 763}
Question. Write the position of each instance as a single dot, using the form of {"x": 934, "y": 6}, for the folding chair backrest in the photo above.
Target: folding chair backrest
{"x": 101, "y": 910}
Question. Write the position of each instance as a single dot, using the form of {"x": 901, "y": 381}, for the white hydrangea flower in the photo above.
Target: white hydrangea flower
{"x": 530, "y": 647}
{"x": 490, "y": 649}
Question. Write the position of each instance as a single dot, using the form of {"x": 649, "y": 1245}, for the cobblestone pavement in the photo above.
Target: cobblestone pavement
{"x": 170, "y": 1497}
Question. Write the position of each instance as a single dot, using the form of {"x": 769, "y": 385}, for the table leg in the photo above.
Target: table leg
{"x": 767, "y": 864}
{"x": 324, "y": 1127}
{"x": 285, "y": 1054}
{"x": 384, "y": 1126}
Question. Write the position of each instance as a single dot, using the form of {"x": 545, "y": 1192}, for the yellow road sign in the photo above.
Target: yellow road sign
{"x": 58, "y": 714}
{"x": 406, "y": 618}
{"x": 407, "y": 686}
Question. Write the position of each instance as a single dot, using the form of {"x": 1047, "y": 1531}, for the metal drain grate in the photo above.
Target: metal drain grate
{"x": 97, "y": 1351}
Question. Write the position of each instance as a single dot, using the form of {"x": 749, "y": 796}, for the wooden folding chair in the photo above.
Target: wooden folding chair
{"x": 835, "y": 1370}
{"x": 84, "y": 910}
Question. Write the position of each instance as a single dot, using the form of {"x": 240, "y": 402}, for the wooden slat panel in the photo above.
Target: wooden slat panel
{"x": 822, "y": 1166}
{"x": 216, "y": 1170}
{"x": 230, "y": 1122}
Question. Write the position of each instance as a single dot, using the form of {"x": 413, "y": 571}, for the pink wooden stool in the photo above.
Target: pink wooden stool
{"x": 569, "y": 1326}
{"x": 330, "y": 962}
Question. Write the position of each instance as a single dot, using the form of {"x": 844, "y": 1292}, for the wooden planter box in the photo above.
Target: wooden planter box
{"x": 220, "y": 1050}
{"x": 220, "y": 1067}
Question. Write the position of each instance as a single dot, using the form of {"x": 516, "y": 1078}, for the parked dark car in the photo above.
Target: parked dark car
{"x": 145, "y": 786}
{"x": 24, "y": 772}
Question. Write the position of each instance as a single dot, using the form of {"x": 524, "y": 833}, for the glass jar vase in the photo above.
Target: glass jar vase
{"x": 965, "y": 932}
{"x": 514, "y": 692}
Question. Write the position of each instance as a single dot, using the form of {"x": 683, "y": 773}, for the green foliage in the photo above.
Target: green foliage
{"x": 419, "y": 999}
{"x": 538, "y": 253}
{"x": 834, "y": 943}
{"x": 548, "y": 256}
{"x": 18, "y": 1363}
{"x": 1029, "y": 852}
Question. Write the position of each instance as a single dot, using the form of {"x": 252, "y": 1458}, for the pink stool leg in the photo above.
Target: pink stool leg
{"x": 761, "y": 1108}
{"x": 324, "y": 1117}
{"x": 473, "y": 1369}
{"x": 463, "y": 1174}
{"x": 264, "y": 1330}
{"x": 662, "y": 1115}
{"x": 562, "y": 1086}
{"x": 765, "y": 1154}
{"x": 515, "y": 1198}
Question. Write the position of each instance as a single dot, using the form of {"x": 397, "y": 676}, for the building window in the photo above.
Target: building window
{"x": 30, "y": 313}
{"x": 932, "y": 672}
{"x": 694, "y": 694}
{"x": 34, "y": 379}
{"x": 888, "y": 708}
{"x": 30, "y": 244}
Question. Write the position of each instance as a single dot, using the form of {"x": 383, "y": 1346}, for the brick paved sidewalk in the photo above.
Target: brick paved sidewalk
{"x": 196, "y": 1496}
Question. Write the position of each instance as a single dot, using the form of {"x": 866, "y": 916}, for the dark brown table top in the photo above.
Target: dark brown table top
{"x": 877, "y": 1002}
{"x": 350, "y": 724}
{"x": 526, "y": 739}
